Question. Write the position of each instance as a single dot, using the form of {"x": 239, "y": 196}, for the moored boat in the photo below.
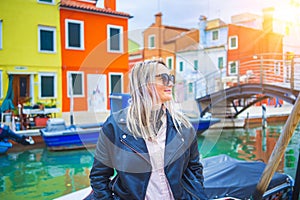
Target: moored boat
{"x": 57, "y": 136}
{"x": 4, "y": 146}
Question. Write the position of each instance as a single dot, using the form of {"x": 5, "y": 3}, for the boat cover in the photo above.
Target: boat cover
{"x": 228, "y": 177}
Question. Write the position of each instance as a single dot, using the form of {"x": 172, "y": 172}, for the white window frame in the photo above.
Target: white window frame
{"x": 109, "y": 26}
{"x": 236, "y": 65}
{"x": 109, "y": 80}
{"x": 172, "y": 62}
{"x": 1, "y": 34}
{"x": 40, "y": 75}
{"x": 1, "y": 84}
{"x": 81, "y": 23}
{"x": 69, "y": 82}
{"x": 277, "y": 66}
{"x": 230, "y": 42}
{"x": 52, "y": 29}
{"x": 149, "y": 41}
{"x": 50, "y": 3}
{"x": 212, "y": 35}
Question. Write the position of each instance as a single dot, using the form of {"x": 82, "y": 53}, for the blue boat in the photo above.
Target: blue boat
{"x": 57, "y": 136}
{"x": 229, "y": 178}
{"x": 4, "y": 146}
{"x": 6, "y": 134}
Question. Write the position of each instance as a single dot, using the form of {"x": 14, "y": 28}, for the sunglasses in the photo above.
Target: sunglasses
{"x": 166, "y": 78}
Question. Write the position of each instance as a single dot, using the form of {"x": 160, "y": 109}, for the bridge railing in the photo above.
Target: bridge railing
{"x": 271, "y": 69}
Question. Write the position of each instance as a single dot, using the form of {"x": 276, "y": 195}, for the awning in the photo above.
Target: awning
{"x": 7, "y": 103}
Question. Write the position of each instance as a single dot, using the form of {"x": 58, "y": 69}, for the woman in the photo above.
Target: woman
{"x": 150, "y": 147}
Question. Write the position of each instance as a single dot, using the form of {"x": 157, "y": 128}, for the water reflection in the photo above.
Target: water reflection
{"x": 251, "y": 144}
{"x": 41, "y": 174}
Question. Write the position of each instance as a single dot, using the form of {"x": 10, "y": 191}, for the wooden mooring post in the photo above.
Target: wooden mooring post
{"x": 278, "y": 151}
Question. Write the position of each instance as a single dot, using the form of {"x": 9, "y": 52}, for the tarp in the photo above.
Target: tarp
{"x": 7, "y": 103}
{"x": 228, "y": 177}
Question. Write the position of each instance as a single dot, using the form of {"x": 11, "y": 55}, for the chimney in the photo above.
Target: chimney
{"x": 110, "y": 4}
{"x": 268, "y": 19}
{"x": 202, "y": 31}
{"x": 158, "y": 19}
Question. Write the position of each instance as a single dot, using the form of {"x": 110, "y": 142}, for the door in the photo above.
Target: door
{"x": 21, "y": 87}
{"x": 97, "y": 100}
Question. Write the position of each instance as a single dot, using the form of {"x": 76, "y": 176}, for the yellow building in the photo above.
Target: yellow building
{"x": 30, "y": 51}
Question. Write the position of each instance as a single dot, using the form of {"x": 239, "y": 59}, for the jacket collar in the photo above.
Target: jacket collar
{"x": 174, "y": 140}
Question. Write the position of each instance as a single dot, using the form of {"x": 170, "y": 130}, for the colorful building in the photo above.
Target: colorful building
{"x": 94, "y": 53}
{"x": 162, "y": 41}
{"x": 78, "y": 51}
{"x": 30, "y": 51}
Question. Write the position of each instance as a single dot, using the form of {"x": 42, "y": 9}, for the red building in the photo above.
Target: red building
{"x": 94, "y": 53}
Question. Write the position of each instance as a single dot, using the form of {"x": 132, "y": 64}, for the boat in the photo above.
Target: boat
{"x": 202, "y": 124}
{"x": 8, "y": 135}
{"x": 229, "y": 178}
{"x": 57, "y": 136}
{"x": 4, "y": 146}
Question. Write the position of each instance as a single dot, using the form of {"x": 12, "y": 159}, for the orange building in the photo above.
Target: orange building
{"x": 163, "y": 42}
{"x": 256, "y": 55}
{"x": 250, "y": 48}
{"x": 94, "y": 53}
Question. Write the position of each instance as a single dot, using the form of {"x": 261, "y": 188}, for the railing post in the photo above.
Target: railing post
{"x": 261, "y": 70}
{"x": 292, "y": 74}
{"x": 238, "y": 72}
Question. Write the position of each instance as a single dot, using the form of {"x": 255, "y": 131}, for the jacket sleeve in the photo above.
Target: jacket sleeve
{"x": 194, "y": 163}
{"x": 102, "y": 169}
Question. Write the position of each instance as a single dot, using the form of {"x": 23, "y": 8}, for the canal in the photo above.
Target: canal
{"x": 42, "y": 174}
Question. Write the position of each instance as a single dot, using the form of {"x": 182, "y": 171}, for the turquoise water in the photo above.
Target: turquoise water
{"x": 42, "y": 174}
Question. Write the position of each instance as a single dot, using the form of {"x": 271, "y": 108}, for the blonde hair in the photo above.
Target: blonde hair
{"x": 140, "y": 118}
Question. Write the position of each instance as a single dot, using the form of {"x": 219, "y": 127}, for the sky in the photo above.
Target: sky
{"x": 185, "y": 13}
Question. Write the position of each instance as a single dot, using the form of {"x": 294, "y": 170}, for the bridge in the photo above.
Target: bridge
{"x": 255, "y": 82}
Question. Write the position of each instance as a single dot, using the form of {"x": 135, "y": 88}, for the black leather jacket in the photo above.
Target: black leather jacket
{"x": 119, "y": 153}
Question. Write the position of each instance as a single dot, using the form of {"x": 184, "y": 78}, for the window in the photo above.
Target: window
{"x": 180, "y": 66}
{"x": 233, "y": 42}
{"x": 233, "y": 68}
{"x": 215, "y": 35}
{"x": 151, "y": 41}
{"x": 116, "y": 83}
{"x": 47, "y": 39}
{"x": 115, "y": 40}
{"x": 47, "y": 85}
{"x": 1, "y": 32}
{"x": 196, "y": 67}
{"x": 220, "y": 62}
{"x": 190, "y": 88}
{"x": 170, "y": 62}
{"x": 1, "y": 84}
{"x": 74, "y": 34}
{"x": 76, "y": 82}
{"x": 46, "y": 1}
{"x": 277, "y": 68}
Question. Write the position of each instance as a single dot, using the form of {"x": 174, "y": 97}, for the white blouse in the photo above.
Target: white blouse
{"x": 158, "y": 187}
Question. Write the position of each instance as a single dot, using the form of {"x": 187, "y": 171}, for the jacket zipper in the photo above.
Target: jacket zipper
{"x": 134, "y": 150}
{"x": 113, "y": 186}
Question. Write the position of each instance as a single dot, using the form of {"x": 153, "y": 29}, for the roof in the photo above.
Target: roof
{"x": 90, "y": 6}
